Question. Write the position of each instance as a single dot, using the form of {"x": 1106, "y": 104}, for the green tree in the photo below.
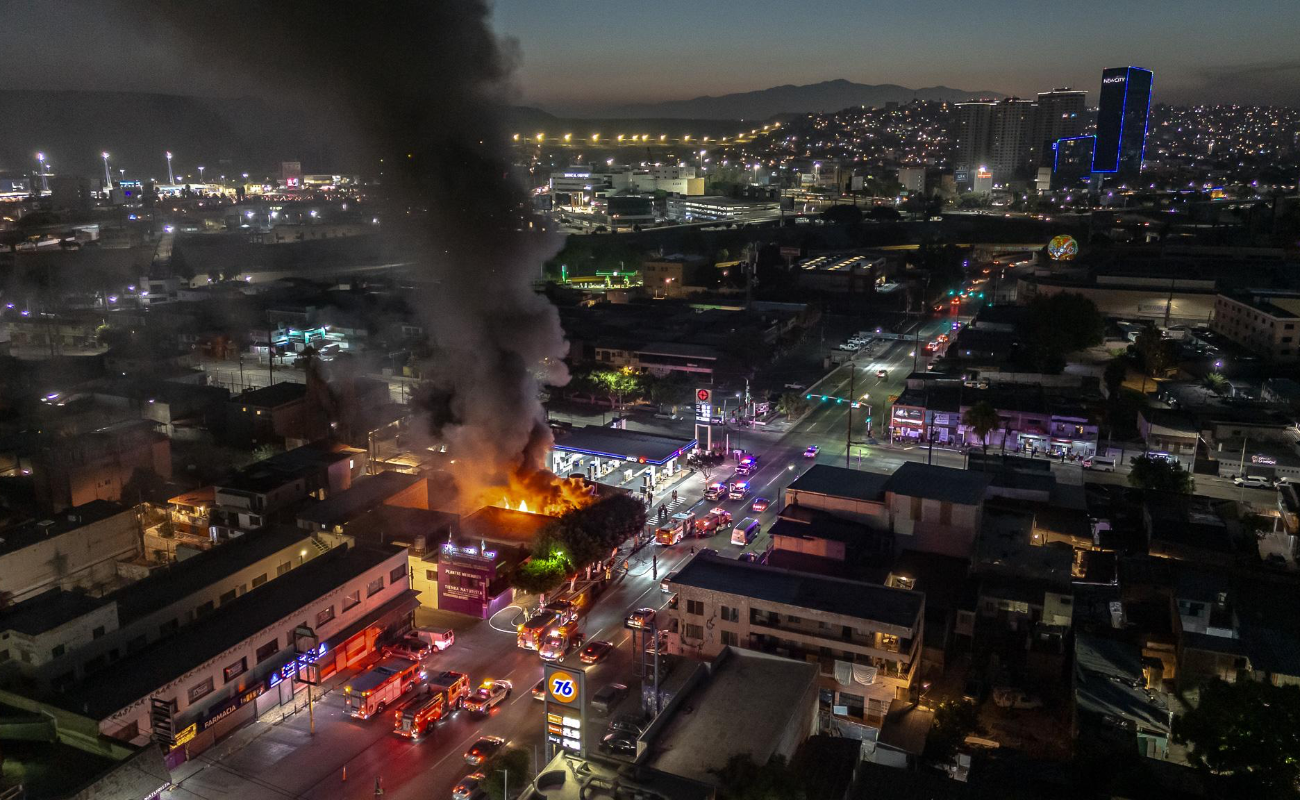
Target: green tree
{"x": 842, "y": 215}
{"x": 540, "y": 575}
{"x": 742, "y": 779}
{"x": 792, "y": 404}
{"x": 954, "y": 720}
{"x": 510, "y": 770}
{"x": 981, "y": 419}
{"x": 1248, "y": 733}
{"x": 1216, "y": 383}
{"x": 1159, "y": 475}
{"x": 617, "y": 385}
{"x": 1060, "y": 324}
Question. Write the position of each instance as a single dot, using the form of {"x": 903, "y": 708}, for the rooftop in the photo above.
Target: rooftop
{"x": 46, "y": 611}
{"x": 270, "y": 473}
{"x": 184, "y": 578}
{"x": 1110, "y": 681}
{"x": 724, "y": 716}
{"x": 932, "y": 482}
{"x": 169, "y": 659}
{"x": 568, "y": 777}
{"x": 848, "y": 598}
{"x": 503, "y": 525}
{"x": 273, "y": 396}
{"x": 29, "y": 533}
{"x": 841, "y": 482}
{"x": 650, "y": 448}
{"x": 364, "y": 494}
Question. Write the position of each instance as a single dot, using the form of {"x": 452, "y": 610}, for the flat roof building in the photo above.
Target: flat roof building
{"x": 865, "y": 637}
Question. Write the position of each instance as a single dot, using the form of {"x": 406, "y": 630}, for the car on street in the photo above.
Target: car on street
{"x": 488, "y": 695}
{"x": 595, "y": 652}
{"x": 796, "y": 387}
{"x": 882, "y": 373}
{"x": 483, "y": 749}
{"x": 641, "y": 618}
{"x": 609, "y": 697}
{"x": 760, "y": 504}
{"x": 738, "y": 490}
{"x": 412, "y": 648}
{"x": 715, "y": 491}
{"x": 440, "y": 638}
{"x": 539, "y": 690}
{"x": 470, "y": 787}
{"x": 1252, "y": 482}
{"x": 812, "y": 451}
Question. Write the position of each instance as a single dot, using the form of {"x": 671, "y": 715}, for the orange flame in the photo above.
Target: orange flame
{"x": 547, "y": 493}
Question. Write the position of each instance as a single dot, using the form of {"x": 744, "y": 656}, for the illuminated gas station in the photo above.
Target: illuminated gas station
{"x": 619, "y": 456}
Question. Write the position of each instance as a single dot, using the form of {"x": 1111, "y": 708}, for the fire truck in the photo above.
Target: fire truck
{"x": 415, "y": 718}
{"x": 453, "y": 686}
{"x": 533, "y": 630}
{"x": 712, "y": 521}
{"x": 380, "y": 686}
{"x": 677, "y": 528}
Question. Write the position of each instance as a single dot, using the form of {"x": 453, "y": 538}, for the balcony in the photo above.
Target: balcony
{"x": 832, "y": 636}
{"x": 885, "y": 667}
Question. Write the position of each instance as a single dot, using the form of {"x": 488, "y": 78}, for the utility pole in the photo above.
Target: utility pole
{"x": 1241, "y": 470}
{"x": 270, "y": 358}
{"x": 848, "y": 433}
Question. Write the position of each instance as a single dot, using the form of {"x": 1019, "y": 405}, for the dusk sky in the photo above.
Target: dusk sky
{"x": 573, "y": 54}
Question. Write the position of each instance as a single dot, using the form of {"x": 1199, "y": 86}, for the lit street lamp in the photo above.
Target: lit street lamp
{"x": 201, "y": 168}
{"x": 108, "y": 176}
{"x": 171, "y": 176}
{"x": 40, "y": 159}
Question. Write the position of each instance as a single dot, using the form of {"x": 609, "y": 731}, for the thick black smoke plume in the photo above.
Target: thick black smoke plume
{"x": 419, "y": 85}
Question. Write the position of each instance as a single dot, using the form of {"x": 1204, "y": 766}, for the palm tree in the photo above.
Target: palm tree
{"x": 981, "y": 419}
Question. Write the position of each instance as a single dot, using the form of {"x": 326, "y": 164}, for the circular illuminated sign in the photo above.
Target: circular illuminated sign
{"x": 1062, "y": 248}
{"x": 562, "y": 687}
{"x": 703, "y": 395}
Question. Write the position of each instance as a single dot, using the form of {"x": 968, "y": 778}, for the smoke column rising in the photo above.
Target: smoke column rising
{"x": 419, "y": 85}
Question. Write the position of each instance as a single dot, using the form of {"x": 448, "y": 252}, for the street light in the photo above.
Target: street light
{"x": 201, "y": 168}
{"x": 171, "y": 176}
{"x": 45, "y": 184}
{"x": 108, "y": 176}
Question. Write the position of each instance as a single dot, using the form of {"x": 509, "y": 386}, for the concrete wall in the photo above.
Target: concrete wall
{"x": 873, "y": 514}
{"x": 80, "y": 557}
{"x": 928, "y": 533}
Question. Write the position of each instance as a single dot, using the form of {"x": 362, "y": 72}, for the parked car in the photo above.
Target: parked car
{"x": 410, "y": 647}
{"x": 619, "y": 743}
{"x": 539, "y": 690}
{"x": 1252, "y": 482}
{"x": 440, "y": 638}
{"x": 1008, "y": 697}
{"x": 609, "y": 697}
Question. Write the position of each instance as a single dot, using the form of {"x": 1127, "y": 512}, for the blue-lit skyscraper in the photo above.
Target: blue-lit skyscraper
{"x": 1122, "y": 121}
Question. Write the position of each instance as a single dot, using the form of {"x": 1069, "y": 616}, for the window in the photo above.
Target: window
{"x": 267, "y": 650}
{"x": 200, "y": 690}
{"x": 730, "y": 614}
{"x": 945, "y": 513}
{"x": 97, "y": 632}
{"x": 397, "y": 575}
{"x": 226, "y": 597}
{"x": 854, "y": 704}
{"x": 259, "y": 580}
{"x": 695, "y": 607}
{"x": 694, "y": 632}
{"x": 730, "y": 639}
{"x": 324, "y": 615}
{"x": 235, "y": 670}
{"x": 352, "y": 600}
{"x": 206, "y": 608}
{"x": 375, "y": 586}
{"x": 431, "y": 575}
{"x": 283, "y": 568}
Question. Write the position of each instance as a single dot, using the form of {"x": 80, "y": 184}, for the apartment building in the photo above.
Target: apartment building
{"x": 1264, "y": 324}
{"x": 865, "y": 638}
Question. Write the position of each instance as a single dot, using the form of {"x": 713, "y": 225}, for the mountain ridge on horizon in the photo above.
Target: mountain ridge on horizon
{"x": 831, "y": 95}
